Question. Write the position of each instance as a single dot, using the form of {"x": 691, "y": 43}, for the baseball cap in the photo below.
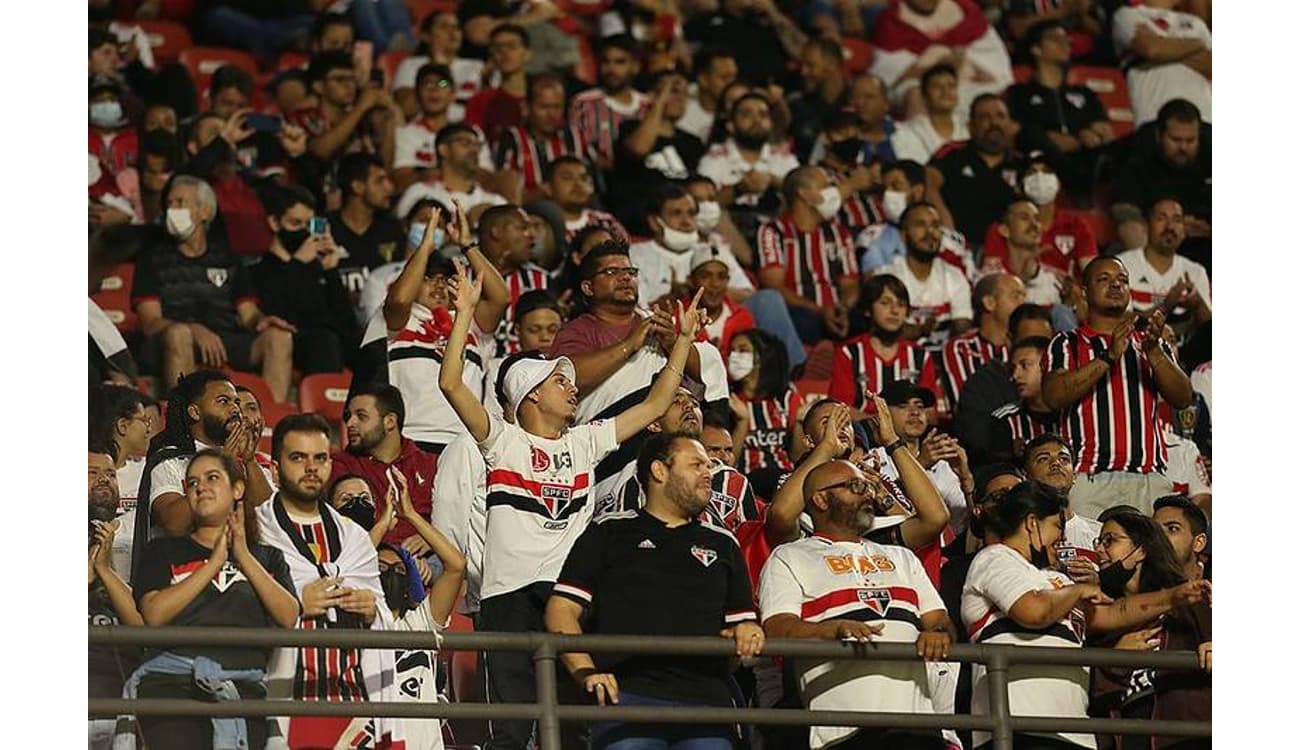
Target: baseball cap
{"x": 705, "y": 254}
{"x": 526, "y": 374}
{"x": 899, "y": 392}
{"x": 100, "y": 82}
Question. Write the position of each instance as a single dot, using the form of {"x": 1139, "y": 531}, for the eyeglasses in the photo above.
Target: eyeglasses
{"x": 442, "y": 83}
{"x": 1106, "y": 540}
{"x": 856, "y": 486}
{"x": 611, "y": 273}
{"x": 146, "y": 417}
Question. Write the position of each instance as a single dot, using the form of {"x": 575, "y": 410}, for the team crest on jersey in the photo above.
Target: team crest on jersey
{"x": 1075, "y": 98}
{"x": 877, "y": 600}
{"x": 723, "y": 505}
{"x": 556, "y": 497}
{"x": 1064, "y": 243}
{"x": 705, "y": 555}
{"x": 218, "y": 276}
{"x": 541, "y": 459}
{"x": 227, "y": 577}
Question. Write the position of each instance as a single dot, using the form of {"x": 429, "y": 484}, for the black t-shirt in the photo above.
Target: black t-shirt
{"x": 641, "y": 577}
{"x": 383, "y": 242}
{"x": 227, "y": 601}
{"x": 976, "y": 194}
{"x": 1039, "y": 109}
{"x": 304, "y": 294}
{"x": 205, "y": 290}
{"x": 634, "y": 178}
{"x": 760, "y": 57}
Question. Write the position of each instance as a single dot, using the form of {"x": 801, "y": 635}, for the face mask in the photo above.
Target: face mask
{"x": 105, "y": 114}
{"x": 416, "y": 235}
{"x": 360, "y": 511}
{"x": 1042, "y": 187}
{"x": 292, "y": 239}
{"x": 1115, "y": 576}
{"x": 740, "y": 364}
{"x": 179, "y": 223}
{"x": 847, "y": 151}
{"x": 831, "y": 202}
{"x": 1040, "y": 557}
{"x": 394, "y": 583}
{"x": 678, "y": 241}
{"x": 709, "y": 215}
{"x": 895, "y": 202}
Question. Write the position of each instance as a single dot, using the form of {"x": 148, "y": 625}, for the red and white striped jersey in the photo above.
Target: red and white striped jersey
{"x": 860, "y": 210}
{"x": 817, "y": 579}
{"x": 523, "y": 279}
{"x": 325, "y": 674}
{"x": 1024, "y": 425}
{"x": 771, "y": 422}
{"x": 414, "y": 361}
{"x": 997, "y": 578}
{"x": 529, "y": 155}
{"x": 1114, "y": 427}
{"x": 813, "y": 261}
{"x": 598, "y": 117}
{"x": 858, "y": 368}
{"x": 962, "y": 356}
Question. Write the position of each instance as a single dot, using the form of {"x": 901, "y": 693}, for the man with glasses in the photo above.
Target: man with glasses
{"x": 838, "y": 585}
{"x": 341, "y": 124}
{"x": 415, "y": 154}
{"x": 458, "y": 146}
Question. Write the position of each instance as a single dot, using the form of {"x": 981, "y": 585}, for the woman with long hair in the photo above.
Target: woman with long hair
{"x": 1013, "y": 596}
{"x": 1136, "y": 558}
{"x": 216, "y": 576}
{"x": 758, "y": 369}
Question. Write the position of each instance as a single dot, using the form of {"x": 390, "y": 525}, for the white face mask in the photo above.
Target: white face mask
{"x": 179, "y": 223}
{"x": 740, "y": 364}
{"x": 678, "y": 241}
{"x": 1042, "y": 187}
{"x": 895, "y": 202}
{"x": 831, "y": 202}
{"x": 709, "y": 215}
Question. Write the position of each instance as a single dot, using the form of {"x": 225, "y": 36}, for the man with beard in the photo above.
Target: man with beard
{"x": 838, "y": 585}
{"x": 825, "y": 91}
{"x": 1048, "y": 461}
{"x": 1188, "y": 530}
{"x": 868, "y": 363}
{"x": 1021, "y": 232}
{"x": 688, "y": 578}
{"x": 665, "y": 259}
{"x": 251, "y": 410}
{"x": 362, "y": 227}
{"x": 731, "y": 501}
{"x": 335, "y": 572}
{"x": 374, "y": 448}
{"x": 529, "y": 148}
{"x": 977, "y": 181}
{"x": 598, "y": 113}
{"x": 747, "y": 168}
{"x": 939, "y": 293}
{"x": 808, "y": 255}
{"x": 1165, "y": 279}
{"x": 457, "y": 146}
{"x": 882, "y": 243}
{"x": 1108, "y": 378}
{"x": 995, "y": 297}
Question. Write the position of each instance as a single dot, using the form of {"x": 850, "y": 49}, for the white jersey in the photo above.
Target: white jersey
{"x": 816, "y": 579}
{"x": 1202, "y": 380}
{"x": 414, "y": 361}
{"x": 439, "y": 192}
{"x": 538, "y": 500}
{"x": 696, "y": 121}
{"x": 1149, "y": 88}
{"x": 659, "y": 267}
{"x": 460, "y": 510}
{"x": 944, "y": 295}
{"x": 726, "y": 166}
{"x": 128, "y": 484}
{"x": 415, "y": 145}
{"x": 998, "y": 577}
{"x": 918, "y": 140}
{"x": 416, "y": 675}
{"x": 1149, "y": 287}
{"x": 1186, "y": 465}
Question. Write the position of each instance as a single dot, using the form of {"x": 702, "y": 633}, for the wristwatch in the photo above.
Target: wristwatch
{"x": 899, "y": 443}
{"x": 1107, "y": 358}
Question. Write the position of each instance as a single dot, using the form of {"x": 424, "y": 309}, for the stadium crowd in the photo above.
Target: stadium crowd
{"x": 873, "y": 320}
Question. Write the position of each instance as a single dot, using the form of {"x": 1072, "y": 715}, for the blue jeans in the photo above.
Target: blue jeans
{"x": 609, "y": 735}
{"x": 771, "y": 314}
{"x": 233, "y": 28}
{"x": 379, "y": 20}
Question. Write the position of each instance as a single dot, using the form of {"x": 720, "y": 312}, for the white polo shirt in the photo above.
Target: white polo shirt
{"x": 945, "y": 295}
{"x": 1149, "y": 287}
{"x": 724, "y": 164}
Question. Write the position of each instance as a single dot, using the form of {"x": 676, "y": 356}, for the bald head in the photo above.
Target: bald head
{"x": 826, "y": 475}
{"x": 841, "y": 500}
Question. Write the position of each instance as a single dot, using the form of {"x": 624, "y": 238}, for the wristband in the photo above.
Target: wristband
{"x": 471, "y": 246}
{"x": 899, "y": 443}
{"x": 1107, "y": 358}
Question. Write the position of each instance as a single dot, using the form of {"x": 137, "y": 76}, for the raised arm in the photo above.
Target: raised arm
{"x": 280, "y": 604}
{"x": 101, "y": 567}
{"x": 1170, "y": 379}
{"x": 782, "y": 524}
{"x": 406, "y": 289}
{"x": 159, "y": 607}
{"x": 931, "y": 511}
{"x": 636, "y": 418}
{"x": 465, "y": 292}
{"x": 446, "y": 587}
{"x": 594, "y": 366}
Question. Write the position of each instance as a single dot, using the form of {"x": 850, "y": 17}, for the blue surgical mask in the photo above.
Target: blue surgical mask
{"x": 416, "y": 235}
{"x": 105, "y": 114}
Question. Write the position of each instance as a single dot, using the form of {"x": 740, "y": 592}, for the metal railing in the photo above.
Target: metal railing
{"x": 548, "y": 712}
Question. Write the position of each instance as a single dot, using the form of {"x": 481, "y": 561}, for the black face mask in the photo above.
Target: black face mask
{"x": 847, "y": 151}
{"x": 1114, "y": 577}
{"x": 360, "y": 511}
{"x": 394, "y": 583}
{"x": 292, "y": 239}
{"x": 1040, "y": 557}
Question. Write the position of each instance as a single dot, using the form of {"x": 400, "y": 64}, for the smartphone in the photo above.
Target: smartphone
{"x": 263, "y": 123}
{"x": 1140, "y": 323}
{"x": 377, "y": 77}
{"x": 318, "y": 226}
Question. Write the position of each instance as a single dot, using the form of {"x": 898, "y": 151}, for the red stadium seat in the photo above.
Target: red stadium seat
{"x": 291, "y": 59}
{"x": 272, "y": 413}
{"x": 588, "y": 68}
{"x": 202, "y": 62}
{"x": 421, "y": 8}
{"x": 253, "y": 383}
{"x": 811, "y": 388}
{"x": 114, "y": 298}
{"x": 1022, "y": 73}
{"x": 818, "y": 366}
{"x": 857, "y": 55}
{"x": 1100, "y": 224}
{"x": 325, "y": 394}
{"x": 166, "y": 39}
{"x": 1111, "y": 88}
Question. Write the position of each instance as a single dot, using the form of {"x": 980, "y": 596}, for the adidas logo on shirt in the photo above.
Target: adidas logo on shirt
{"x": 646, "y": 544}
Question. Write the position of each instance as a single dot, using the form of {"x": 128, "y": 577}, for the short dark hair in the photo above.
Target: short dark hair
{"x": 309, "y": 422}
{"x": 934, "y": 72}
{"x": 454, "y": 129}
{"x": 625, "y": 42}
{"x": 704, "y": 57}
{"x": 1027, "y": 311}
{"x": 108, "y": 403}
{"x": 549, "y": 170}
{"x": 324, "y": 62}
{"x": 987, "y": 286}
{"x": 659, "y": 197}
{"x": 326, "y": 20}
{"x": 756, "y": 96}
{"x": 796, "y": 180}
{"x": 100, "y": 37}
{"x": 587, "y": 270}
{"x": 828, "y": 47}
{"x": 981, "y": 99}
{"x": 433, "y": 69}
{"x": 1038, "y": 343}
{"x": 230, "y": 76}
{"x": 1177, "y": 109}
{"x": 1035, "y": 35}
{"x": 1192, "y": 512}
{"x": 819, "y": 403}
{"x": 495, "y": 216}
{"x": 542, "y": 80}
{"x": 1087, "y": 270}
{"x": 534, "y": 300}
{"x": 914, "y": 171}
{"x": 1045, "y": 439}
{"x": 355, "y": 168}
{"x": 718, "y": 416}
{"x": 875, "y": 287}
{"x": 1026, "y": 499}
{"x": 388, "y": 400}
{"x": 657, "y": 447}
{"x": 285, "y": 197}
{"x": 985, "y": 475}
{"x": 159, "y": 142}
{"x": 512, "y": 28}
